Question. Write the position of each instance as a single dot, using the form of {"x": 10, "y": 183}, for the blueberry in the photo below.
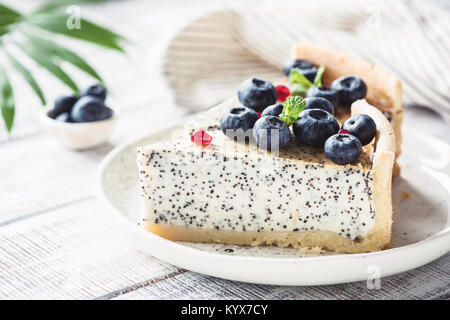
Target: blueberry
{"x": 302, "y": 66}
{"x": 257, "y": 94}
{"x": 342, "y": 148}
{"x": 237, "y": 118}
{"x": 62, "y": 104}
{"x": 319, "y": 103}
{"x": 273, "y": 110}
{"x": 361, "y": 126}
{"x": 64, "y": 117}
{"x": 323, "y": 92}
{"x": 88, "y": 109}
{"x": 271, "y": 133}
{"x": 95, "y": 90}
{"x": 349, "y": 89}
{"x": 314, "y": 127}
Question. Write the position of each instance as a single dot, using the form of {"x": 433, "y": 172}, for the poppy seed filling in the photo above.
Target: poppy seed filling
{"x": 235, "y": 186}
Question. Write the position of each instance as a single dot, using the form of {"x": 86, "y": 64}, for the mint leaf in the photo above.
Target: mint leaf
{"x": 298, "y": 89}
{"x": 318, "y": 77}
{"x": 299, "y": 84}
{"x": 291, "y": 109}
{"x": 295, "y": 77}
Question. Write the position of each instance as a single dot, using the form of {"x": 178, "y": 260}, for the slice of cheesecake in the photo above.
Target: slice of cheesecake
{"x": 384, "y": 88}
{"x": 236, "y": 193}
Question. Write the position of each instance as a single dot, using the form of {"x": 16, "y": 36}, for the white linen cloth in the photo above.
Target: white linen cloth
{"x": 206, "y": 61}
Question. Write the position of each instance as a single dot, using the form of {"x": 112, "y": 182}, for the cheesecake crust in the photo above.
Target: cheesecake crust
{"x": 384, "y": 89}
{"x": 313, "y": 242}
{"x": 383, "y": 159}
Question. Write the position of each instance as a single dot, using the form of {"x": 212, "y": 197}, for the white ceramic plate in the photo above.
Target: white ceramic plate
{"x": 421, "y": 231}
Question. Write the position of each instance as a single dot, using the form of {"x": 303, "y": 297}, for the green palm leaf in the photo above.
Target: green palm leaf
{"x": 28, "y": 77}
{"x": 8, "y": 15}
{"x": 6, "y": 100}
{"x": 47, "y": 62}
{"x": 88, "y": 31}
{"x": 4, "y": 30}
{"x": 47, "y": 19}
{"x": 64, "y": 54}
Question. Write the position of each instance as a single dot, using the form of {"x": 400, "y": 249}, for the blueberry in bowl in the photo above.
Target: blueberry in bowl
{"x": 95, "y": 90}
{"x": 361, "y": 126}
{"x": 257, "y": 94}
{"x": 63, "y": 104}
{"x": 79, "y": 122}
{"x": 324, "y": 92}
{"x": 319, "y": 103}
{"x": 89, "y": 109}
{"x": 342, "y": 148}
{"x": 314, "y": 127}
{"x": 304, "y": 67}
{"x": 271, "y": 133}
{"x": 64, "y": 117}
{"x": 273, "y": 110}
{"x": 349, "y": 89}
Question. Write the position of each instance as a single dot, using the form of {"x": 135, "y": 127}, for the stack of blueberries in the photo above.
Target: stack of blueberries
{"x": 89, "y": 106}
{"x": 315, "y": 126}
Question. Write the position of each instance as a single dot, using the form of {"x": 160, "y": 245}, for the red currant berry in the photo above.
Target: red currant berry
{"x": 344, "y": 131}
{"x": 283, "y": 92}
{"x": 201, "y": 138}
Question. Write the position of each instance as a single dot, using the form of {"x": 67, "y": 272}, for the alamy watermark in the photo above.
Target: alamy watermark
{"x": 74, "y": 19}
{"x": 373, "y": 277}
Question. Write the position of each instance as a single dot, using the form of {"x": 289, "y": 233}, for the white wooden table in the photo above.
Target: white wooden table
{"x": 56, "y": 240}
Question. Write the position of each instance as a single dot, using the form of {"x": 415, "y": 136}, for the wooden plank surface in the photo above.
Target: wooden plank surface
{"x": 56, "y": 240}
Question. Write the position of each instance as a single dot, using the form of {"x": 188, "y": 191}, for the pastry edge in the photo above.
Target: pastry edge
{"x": 382, "y": 169}
{"x": 312, "y": 242}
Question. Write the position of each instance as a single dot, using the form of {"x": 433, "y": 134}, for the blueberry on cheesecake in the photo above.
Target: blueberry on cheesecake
{"x": 324, "y": 92}
{"x": 349, "y": 89}
{"x": 361, "y": 126}
{"x": 302, "y": 66}
{"x": 314, "y": 127}
{"x": 257, "y": 94}
{"x": 236, "y": 121}
{"x": 342, "y": 148}
{"x": 273, "y": 110}
{"x": 319, "y": 103}
{"x": 271, "y": 133}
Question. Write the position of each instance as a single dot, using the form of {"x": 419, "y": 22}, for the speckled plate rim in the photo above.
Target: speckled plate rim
{"x": 310, "y": 270}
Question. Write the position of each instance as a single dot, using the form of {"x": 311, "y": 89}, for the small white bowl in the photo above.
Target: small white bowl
{"x": 78, "y": 136}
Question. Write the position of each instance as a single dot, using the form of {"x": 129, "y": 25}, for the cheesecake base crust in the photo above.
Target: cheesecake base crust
{"x": 313, "y": 242}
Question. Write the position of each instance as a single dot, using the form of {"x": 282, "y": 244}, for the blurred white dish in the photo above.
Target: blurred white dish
{"x": 78, "y": 136}
{"x": 421, "y": 231}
